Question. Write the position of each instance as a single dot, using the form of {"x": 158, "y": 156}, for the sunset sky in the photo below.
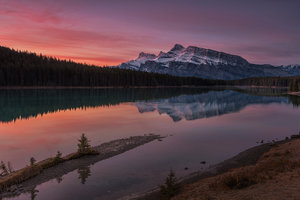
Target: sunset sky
{"x": 108, "y": 32}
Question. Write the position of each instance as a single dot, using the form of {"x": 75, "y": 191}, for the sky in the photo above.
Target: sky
{"x": 109, "y": 32}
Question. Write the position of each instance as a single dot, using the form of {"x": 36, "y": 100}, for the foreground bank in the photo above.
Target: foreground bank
{"x": 25, "y": 179}
{"x": 267, "y": 171}
{"x": 276, "y": 175}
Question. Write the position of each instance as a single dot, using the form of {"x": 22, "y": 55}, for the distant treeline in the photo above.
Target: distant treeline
{"x": 293, "y": 83}
{"x": 21, "y": 69}
{"x": 29, "y": 69}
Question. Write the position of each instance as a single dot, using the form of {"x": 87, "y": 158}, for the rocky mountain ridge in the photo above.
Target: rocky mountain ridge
{"x": 205, "y": 63}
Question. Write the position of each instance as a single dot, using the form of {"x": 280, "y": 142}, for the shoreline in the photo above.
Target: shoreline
{"x": 245, "y": 158}
{"x": 107, "y": 150}
{"x": 97, "y": 87}
{"x": 129, "y": 87}
{"x": 104, "y": 151}
{"x": 294, "y": 93}
{"x": 274, "y": 176}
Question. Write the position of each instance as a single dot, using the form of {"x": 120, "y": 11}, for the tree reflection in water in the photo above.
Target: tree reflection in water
{"x": 84, "y": 173}
{"x": 33, "y": 193}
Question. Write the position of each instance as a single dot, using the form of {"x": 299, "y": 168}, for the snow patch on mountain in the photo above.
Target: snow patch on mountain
{"x": 178, "y": 53}
{"x": 204, "y": 63}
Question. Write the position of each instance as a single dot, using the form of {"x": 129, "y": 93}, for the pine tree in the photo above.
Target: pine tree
{"x": 294, "y": 85}
{"x": 58, "y": 155}
{"x": 10, "y": 168}
{"x": 171, "y": 186}
{"x": 32, "y": 161}
{"x": 4, "y": 169}
{"x": 297, "y": 87}
{"x": 83, "y": 146}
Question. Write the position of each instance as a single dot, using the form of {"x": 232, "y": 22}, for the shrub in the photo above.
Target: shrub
{"x": 4, "y": 169}
{"x": 238, "y": 181}
{"x": 10, "y": 168}
{"x": 32, "y": 161}
{"x": 171, "y": 186}
{"x": 58, "y": 155}
{"x": 57, "y": 158}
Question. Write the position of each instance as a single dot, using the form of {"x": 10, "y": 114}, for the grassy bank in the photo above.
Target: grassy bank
{"x": 276, "y": 175}
{"x": 250, "y": 168}
{"x": 28, "y": 172}
{"x": 53, "y": 167}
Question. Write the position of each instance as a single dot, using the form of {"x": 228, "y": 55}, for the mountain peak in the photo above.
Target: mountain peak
{"x": 146, "y": 55}
{"x": 177, "y": 47}
{"x": 204, "y": 63}
{"x": 193, "y": 49}
{"x": 161, "y": 53}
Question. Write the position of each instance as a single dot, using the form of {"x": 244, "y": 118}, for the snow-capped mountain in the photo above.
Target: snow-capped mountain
{"x": 204, "y": 63}
{"x": 292, "y": 69}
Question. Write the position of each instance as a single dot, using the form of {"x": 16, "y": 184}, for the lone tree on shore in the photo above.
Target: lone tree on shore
{"x": 10, "y": 167}
{"x": 294, "y": 85}
{"x": 83, "y": 146}
{"x": 58, "y": 155}
{"x": 58, "y": 158}
{"x": 171, "y": 186}
{"x": 32, "y": 161}
{"x": 4, "y": 169}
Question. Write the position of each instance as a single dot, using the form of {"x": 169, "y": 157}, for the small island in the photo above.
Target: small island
{"x": 50, "y": 168}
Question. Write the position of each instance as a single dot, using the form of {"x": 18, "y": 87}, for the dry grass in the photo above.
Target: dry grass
{"x": 274, "y": 176}
{"x": 266, "y": 169}
{"x": 77, "y": 155}
{"x": 28, "y": 172}
{"x": 107, "y": 150}
{"x": 270, "y": 165}
{"x": 19, "y": 176}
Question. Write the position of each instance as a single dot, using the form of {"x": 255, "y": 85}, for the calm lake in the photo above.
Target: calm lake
{"x": 200, "y": 125}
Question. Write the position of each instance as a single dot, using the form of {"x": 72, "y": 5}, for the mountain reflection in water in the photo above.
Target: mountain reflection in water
{"x": 178, "y": 103}
{"x": 213, "y": 103}
{"x": 42, "y": 127}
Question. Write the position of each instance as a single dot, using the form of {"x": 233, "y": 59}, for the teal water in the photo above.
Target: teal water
{"x": 200, "y": 125}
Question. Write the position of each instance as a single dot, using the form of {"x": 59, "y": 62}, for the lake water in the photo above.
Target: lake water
{"x": 200, "y": 125}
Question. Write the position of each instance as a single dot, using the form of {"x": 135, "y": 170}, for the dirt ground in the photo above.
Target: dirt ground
{"x": 276, "y": 176}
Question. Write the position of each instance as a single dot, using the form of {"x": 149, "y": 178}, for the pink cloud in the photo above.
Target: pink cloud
{"x": 111, "y": 29}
